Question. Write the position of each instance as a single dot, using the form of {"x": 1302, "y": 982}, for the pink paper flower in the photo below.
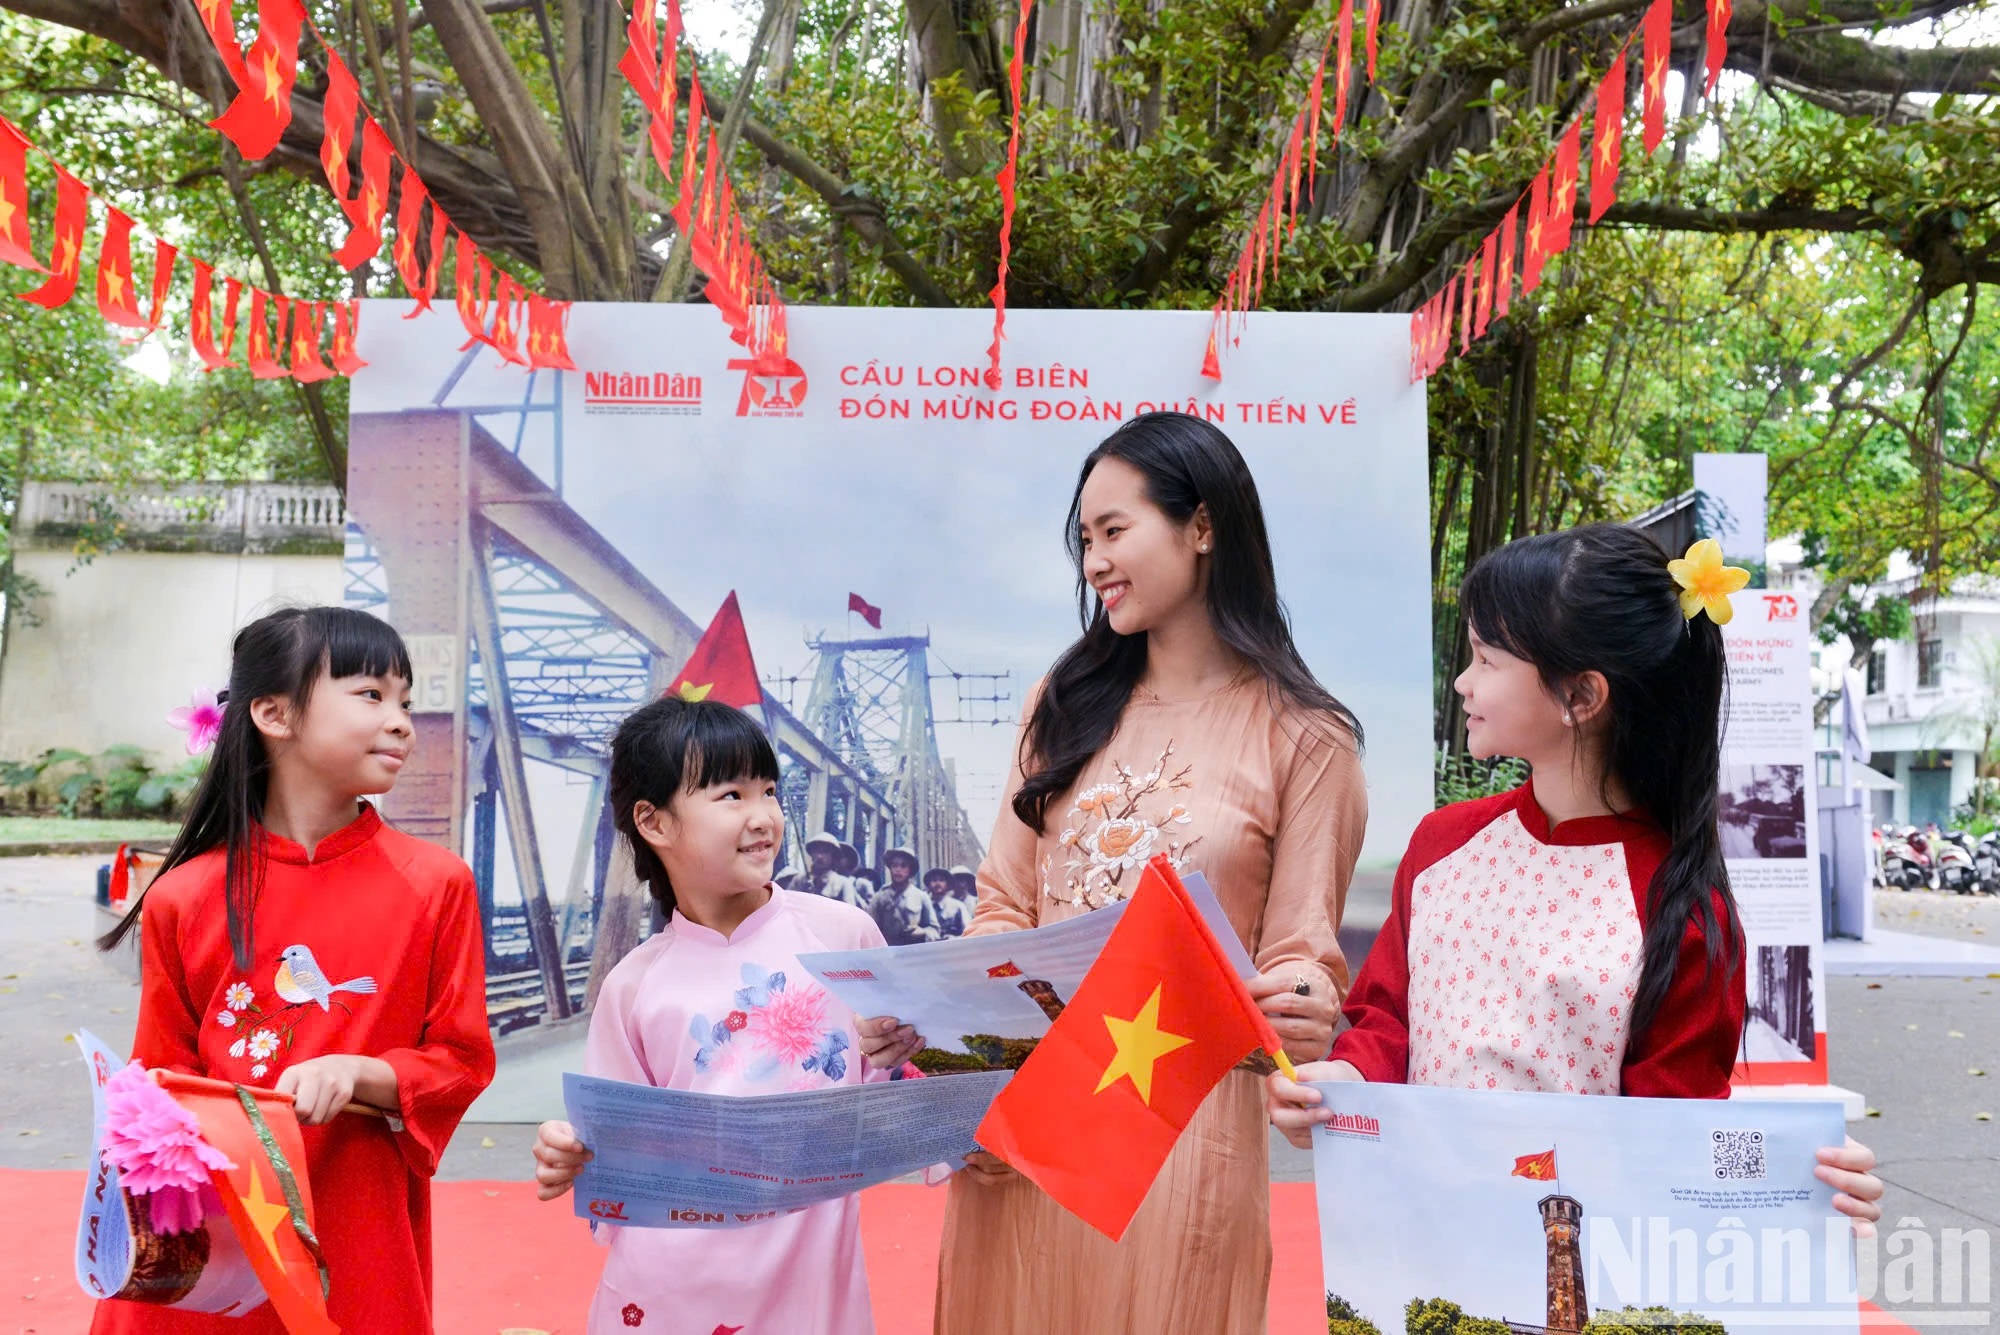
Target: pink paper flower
{"x": 788, "y": 1025}
{"x": 156, "y": 1146}
{"x": 201, "y": 719}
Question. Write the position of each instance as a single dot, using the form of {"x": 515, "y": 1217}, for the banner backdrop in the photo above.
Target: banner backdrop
{"x": 894, "y": 533}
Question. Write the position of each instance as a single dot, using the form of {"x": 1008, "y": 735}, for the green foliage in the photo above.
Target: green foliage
{"x": 118, "y": 782}
{"x": 1462, "y": 778}
{"x": 1432, "y": 1316}
{"x": 1653, "y": 1318}
{"x": 1343, "y": 1319}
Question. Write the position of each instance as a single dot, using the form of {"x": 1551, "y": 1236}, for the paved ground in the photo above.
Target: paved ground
{"x": 1974, "y": 918}
{"x": 1925, "y": 1052}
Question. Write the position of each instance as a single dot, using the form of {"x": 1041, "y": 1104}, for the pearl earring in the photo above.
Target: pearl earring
{"x": 1204, "y": 547}
{"x": 1568, "y": 722}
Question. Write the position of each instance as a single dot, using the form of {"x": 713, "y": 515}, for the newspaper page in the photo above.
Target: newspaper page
{"x": 983, "y": 1002}
{"x": 669, "y": 1158}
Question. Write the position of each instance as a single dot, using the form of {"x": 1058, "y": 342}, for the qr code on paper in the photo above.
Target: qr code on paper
{"x": 1739, "y": 1155}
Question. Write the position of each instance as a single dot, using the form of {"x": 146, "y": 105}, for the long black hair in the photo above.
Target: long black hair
{"x": 1599, "y": 599}
{"x": 281, "y": 655}
{"x": 675, "y": 746}
{"x": 1188, "y": 464}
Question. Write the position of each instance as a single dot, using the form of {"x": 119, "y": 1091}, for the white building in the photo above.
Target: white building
{"x": 1914, "y": 690}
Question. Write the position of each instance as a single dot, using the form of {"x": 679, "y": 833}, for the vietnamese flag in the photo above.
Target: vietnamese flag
{"x": 15, "y": 245}
{"x": 214, "y": 356}
{"x": 1536, "y": 253}
{"x": 66, "y": 257}
{"x": 720, "y": 668}
{"x": 867, "y": 610}
{"x": 370, "y": 205}
{"x": 1541, "y": 1167}
{"x": 548, "y": 337}
{"x": 258, "y": 344}
{"x": 1658, "y": 26}
{"x": 1718, "y": 41}
{"x": 1607, "y": 138}
{"x": 343, "y": 101}
{"x": 1562, "y": 189}
{"x": 346, "y": 326}
{"x": 117, "y": 294}
{"x": 1157, "y": 1022}
{"x": 257, "y": 118}
{"x": 1509, "y": 226}
{"x": 308, "y": 323}
{"x": 264, "y": 1191}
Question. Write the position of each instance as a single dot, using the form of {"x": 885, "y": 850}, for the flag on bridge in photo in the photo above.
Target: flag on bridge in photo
{"x": 1157, "y": 1022}
{"x": 720, "y": 668}
{"x": 869, "y": 612}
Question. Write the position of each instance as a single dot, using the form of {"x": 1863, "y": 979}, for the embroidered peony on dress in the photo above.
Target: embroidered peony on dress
{"x": 1270, "y": 807}
{"x": 691, "y": 1009}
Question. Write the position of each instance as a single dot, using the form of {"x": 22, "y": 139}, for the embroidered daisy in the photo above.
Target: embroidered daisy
{"x": 239, "y": 996}
{"x": 227, "y": 1019}
{"x": 263, "y": 1044}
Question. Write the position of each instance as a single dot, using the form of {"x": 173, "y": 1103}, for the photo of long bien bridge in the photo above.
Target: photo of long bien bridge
{"x": 471, "y": 551}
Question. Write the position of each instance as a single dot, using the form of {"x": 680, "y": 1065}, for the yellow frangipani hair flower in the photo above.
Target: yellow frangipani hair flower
{"x": 1706, "y": 583}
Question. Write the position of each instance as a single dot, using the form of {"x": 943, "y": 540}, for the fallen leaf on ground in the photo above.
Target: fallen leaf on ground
{"x": 1974, "y": 1070}
{"x": 1909, "y": 1026}
{"x": 487, "y": 1143}
{"x": 1953, "y": 1033}
{"x": 29, "y": 1131}
{"x": 1872, "y": 1112}
{"x": 1982, "y": 1117}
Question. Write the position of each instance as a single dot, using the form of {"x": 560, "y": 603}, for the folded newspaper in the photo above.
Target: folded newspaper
{"x": 983, "y": 1002}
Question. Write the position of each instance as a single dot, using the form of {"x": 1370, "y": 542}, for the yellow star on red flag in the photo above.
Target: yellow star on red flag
{"x": 1140, "y": 1042}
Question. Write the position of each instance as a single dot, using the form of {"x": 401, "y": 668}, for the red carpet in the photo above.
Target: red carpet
{"x": 534, "y": 1267}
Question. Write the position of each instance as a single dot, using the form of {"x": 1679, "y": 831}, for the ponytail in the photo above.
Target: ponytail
{"x": 282, "y": 655}
{"x": 1599, "y": 598}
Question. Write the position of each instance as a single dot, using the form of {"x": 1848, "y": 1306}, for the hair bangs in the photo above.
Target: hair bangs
{"x": 355, "y": 644}
{"x": 725, "y": 745}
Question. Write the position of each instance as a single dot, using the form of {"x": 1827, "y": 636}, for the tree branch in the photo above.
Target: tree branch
{"x": 859, "y": 211}
{"x": 1170, "y": 239}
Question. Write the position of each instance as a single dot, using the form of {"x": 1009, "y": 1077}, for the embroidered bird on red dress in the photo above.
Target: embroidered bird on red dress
{"x": 300, "y": 979}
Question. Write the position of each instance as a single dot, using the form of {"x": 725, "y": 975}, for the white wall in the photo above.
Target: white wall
{"x": 132, "y": 635}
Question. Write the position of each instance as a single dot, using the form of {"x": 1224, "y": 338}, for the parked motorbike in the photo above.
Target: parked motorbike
{"x": 1955, "y": 869}
{"x": 1906, "y": 860}
{"x": 1986, "y": 862}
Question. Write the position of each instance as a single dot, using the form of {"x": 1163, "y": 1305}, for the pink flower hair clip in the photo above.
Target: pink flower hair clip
{"x": 201, "y": 719}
